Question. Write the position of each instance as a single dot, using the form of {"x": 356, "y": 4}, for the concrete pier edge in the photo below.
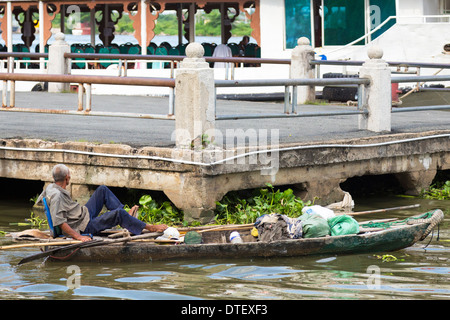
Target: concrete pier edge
{"x": 318, "y": 168}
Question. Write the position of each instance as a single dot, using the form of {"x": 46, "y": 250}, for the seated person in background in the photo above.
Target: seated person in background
{"x": 245, "y": 40}
{"x": 75, "y": 219}
{"x": 222, "y": 51}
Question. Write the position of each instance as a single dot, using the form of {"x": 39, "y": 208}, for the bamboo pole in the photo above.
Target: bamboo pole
{"x": 382, "y": 210}
{"x": 230, "y": 227}
{"x": 38, "y": 244}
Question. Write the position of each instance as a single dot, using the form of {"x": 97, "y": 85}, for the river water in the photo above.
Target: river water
{"x": 416, "y": 273}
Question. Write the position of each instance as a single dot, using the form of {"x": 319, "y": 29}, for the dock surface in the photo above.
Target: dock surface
{"x": 157, "y": 133}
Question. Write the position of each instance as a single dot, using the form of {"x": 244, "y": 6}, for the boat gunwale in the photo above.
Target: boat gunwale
{"x": 329, "y": 238}
{"x": 374, "y": 241}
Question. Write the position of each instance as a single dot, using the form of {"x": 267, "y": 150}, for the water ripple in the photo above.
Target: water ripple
{"x": 255, "y": 273}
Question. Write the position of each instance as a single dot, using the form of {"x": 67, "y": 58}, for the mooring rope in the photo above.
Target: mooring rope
{"x": 387, "y": 225}
{"x": 432, "y": 217}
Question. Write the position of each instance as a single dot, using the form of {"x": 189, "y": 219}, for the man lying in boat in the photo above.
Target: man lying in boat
{"x": 75, "y": 219}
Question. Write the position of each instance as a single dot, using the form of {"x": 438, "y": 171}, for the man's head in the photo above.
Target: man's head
{"x": 61, "y": 174}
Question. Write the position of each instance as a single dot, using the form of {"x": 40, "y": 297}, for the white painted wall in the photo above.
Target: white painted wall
{"x": 410, "y": 7}
{"x": 405, "y": 42}
{"x": 273, "y": 29}
{"x": 431, "y": 7}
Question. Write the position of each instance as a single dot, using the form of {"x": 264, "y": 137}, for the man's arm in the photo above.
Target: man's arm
{"x": 73, "y": 234}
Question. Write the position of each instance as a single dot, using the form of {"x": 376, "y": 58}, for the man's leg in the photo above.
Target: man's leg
{"x": 102, "y": 196}
{"x": 113, "y": 218}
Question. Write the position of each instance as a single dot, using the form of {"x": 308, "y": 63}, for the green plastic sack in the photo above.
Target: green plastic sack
{"x": 192, "y": 237}
{"x": 314, "y": 226}
{"x": 342, "y": 225}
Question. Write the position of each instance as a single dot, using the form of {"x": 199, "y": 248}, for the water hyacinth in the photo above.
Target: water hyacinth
{"x": 234, "y": 210}
{"x": 438, "y": 191}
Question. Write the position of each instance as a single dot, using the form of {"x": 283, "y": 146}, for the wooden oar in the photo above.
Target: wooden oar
{"x": 382, "y": 210}
{"x": 92, "y": 243}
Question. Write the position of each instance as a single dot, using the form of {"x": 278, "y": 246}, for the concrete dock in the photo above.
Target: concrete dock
{"x": 195, "y": 158}
{"x": 157, "y": 133}
{"x": 141, "y": 154}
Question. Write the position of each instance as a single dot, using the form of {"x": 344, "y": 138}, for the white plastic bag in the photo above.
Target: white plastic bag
{"x": 321, "y": 211}
{"x": 170, "y": 234}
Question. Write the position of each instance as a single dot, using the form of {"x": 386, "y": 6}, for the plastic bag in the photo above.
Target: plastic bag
{"x": 321, "y": 211}
{"x": 342, "y": 225}
{"x": 314, "y": 226}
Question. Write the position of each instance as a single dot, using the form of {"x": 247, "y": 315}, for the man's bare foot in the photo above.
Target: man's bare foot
{"x": 156, "y": 227}
{"x": 134, "y": 211}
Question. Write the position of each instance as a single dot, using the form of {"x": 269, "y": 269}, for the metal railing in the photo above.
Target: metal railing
{"x": 290, "y": 85}
{"x": 291, "y": 110}
{"x": 124, "y": 60}
{"x": 84, "y": 86}
{"x": 13, "y": 60}
{"x": 418, "y": 79}
{"x": 85, "y": 82}
{"x": 390, "y": 63}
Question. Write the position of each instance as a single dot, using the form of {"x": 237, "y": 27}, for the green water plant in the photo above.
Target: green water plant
{"x": 235, "y": 210}
{"x": 37, "y": 222}
{"x": 388, "y": 258}
{"x": 438, "y": 191}
{"x": 34, "y": 221}
{"x": 152, "y": 212}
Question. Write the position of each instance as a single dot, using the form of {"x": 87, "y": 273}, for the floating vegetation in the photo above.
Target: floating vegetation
{"x": 232, "y": 209}
{"x": 438, "y": 191}
{"x": 387, "y": 258}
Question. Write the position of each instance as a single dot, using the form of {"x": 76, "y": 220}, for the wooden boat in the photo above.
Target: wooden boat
{"x": 393, "y": 236}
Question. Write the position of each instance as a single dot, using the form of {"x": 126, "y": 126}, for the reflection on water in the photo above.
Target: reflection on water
{"x": 417, "y": 272}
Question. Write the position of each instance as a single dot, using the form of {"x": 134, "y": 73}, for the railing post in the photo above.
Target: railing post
{"x": 5, "y": 94}
{"x": 12, "y": 94}
{"x": 377, "y": 93}
{"x": 57, "y": 64}
{"x": 194, "y": 98}
{"x": 301, "y": 68}
{"x": 80, "y": 97}
{"x": 194, "y": 119}
{"x": 88, "y": 97}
